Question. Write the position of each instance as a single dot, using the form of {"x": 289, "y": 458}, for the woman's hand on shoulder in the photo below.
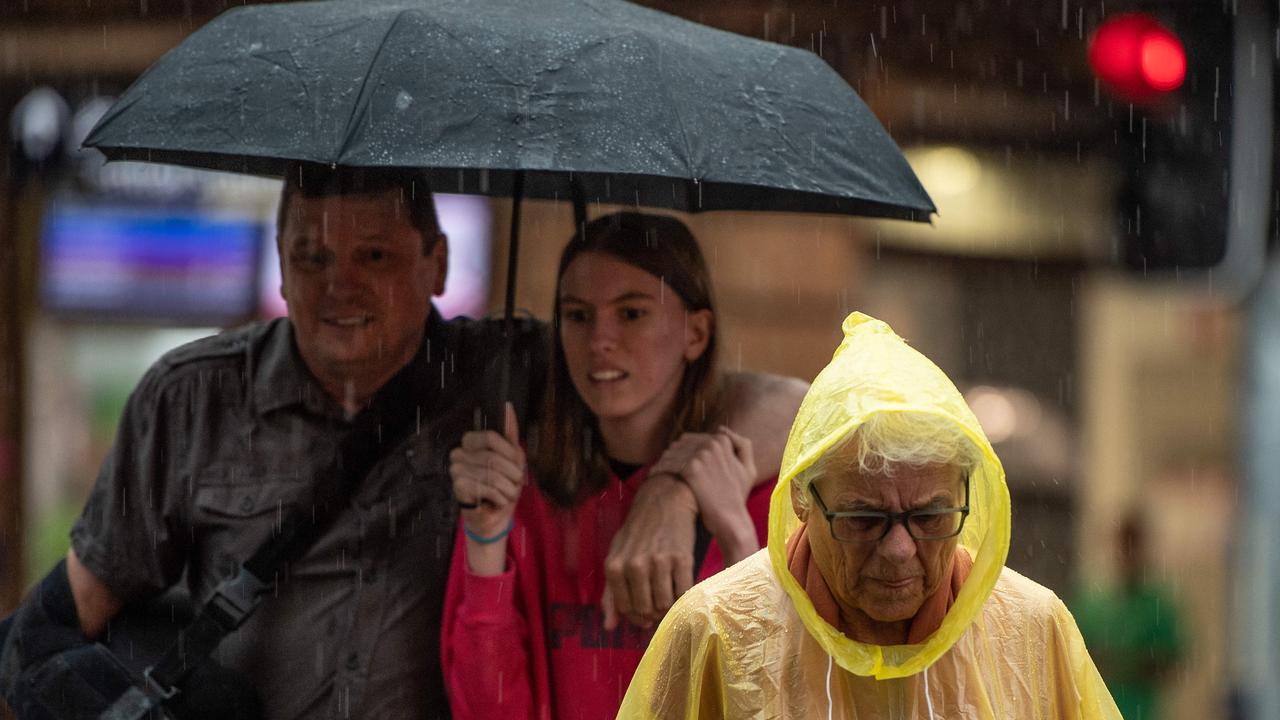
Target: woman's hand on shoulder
{"x": 720, "y": 469}
{"x": 720, "y": 462}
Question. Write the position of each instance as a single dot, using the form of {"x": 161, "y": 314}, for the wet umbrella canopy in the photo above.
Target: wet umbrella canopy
{"x": 583, "y": 99}
{"x": 637, "y": 106}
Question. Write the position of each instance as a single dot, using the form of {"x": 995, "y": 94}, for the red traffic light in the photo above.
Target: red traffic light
{"x": 1136, "y": 58}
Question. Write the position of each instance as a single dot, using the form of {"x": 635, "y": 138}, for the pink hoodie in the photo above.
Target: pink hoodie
{"x": 530, "y": 643}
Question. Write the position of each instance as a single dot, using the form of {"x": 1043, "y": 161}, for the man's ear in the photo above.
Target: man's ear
{"x": 283, "y": 275}
{"x": 697, "y": 333}
{"x": 798, "y": 504}
{"x": 440, "y": 257}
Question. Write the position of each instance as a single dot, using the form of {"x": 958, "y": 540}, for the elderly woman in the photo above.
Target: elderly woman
{"x": 883, "y": 593}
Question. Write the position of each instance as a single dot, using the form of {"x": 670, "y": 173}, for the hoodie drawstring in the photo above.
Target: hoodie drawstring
{"x": 928, "y": 701}
{"x": 829, "y": 704}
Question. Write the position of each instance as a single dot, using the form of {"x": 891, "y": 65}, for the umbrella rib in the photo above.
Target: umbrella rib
{"x": 477, "y": 56}
{"x": 598, "y": 11}
{"x": 675, "y": 109}
{"x": 362, "y": 97}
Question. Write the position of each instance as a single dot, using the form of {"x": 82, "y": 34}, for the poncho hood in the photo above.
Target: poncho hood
{"x": 875, "y": 371}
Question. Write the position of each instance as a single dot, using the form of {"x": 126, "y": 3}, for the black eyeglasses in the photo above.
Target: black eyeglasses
{"x": 858, "y": 526}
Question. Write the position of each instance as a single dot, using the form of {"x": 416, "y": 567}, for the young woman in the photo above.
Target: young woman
{"x": 634, "y": 390}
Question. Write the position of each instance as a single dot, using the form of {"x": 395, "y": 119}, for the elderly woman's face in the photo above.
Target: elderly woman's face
{"x": 886, "y": 581}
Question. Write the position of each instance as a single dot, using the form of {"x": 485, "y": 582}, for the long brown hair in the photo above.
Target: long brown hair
{"x": 568, "y": 456}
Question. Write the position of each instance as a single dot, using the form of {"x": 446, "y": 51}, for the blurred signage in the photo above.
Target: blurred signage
{"x": 165, "y": 266}
{"x": 128, "y": 233}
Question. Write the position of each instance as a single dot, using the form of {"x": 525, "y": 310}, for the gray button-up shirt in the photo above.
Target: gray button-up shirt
{"x": 222, "y": 437}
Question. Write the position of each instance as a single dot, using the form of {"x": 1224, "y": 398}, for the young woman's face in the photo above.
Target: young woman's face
{"x": 627, "y": 339}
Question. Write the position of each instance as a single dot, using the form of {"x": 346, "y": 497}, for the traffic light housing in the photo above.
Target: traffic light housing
{"x": 1137, "y": 58}
{"x": 1165, "y": 76}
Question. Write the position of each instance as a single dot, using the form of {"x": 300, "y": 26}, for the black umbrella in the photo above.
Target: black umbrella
{"x": 590, "y": 99}
{"x": 644, "y": 108}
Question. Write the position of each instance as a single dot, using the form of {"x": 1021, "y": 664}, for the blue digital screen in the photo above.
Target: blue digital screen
{"x": 168, "y": 266}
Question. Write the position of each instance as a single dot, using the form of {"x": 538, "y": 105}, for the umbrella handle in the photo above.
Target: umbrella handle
{"x": 513, "y": 255}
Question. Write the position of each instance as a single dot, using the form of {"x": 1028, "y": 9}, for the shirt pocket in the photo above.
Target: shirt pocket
{"x": 217, "y": 503}
{"x": 234, "y": 519}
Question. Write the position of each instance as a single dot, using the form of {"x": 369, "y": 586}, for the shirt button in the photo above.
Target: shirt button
{"x": 353, "y": 662}
{"x": 246, "y": 504}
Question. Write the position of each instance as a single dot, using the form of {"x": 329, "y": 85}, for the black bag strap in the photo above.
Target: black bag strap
{"x": 382, "y": 425}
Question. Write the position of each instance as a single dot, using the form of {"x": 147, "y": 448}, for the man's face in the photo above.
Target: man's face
{"x": 358, "y": 286}
{"x": 886, "y": 581}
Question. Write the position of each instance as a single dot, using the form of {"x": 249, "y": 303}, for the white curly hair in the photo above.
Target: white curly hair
{"x": 889, "y": 440}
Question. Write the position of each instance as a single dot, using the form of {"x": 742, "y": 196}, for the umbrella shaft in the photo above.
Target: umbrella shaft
{"x": 508, "y": 316}
{"x": 513, "y": 250}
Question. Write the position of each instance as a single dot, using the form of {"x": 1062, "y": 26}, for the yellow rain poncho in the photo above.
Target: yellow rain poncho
{"x": 748, "y": 642}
